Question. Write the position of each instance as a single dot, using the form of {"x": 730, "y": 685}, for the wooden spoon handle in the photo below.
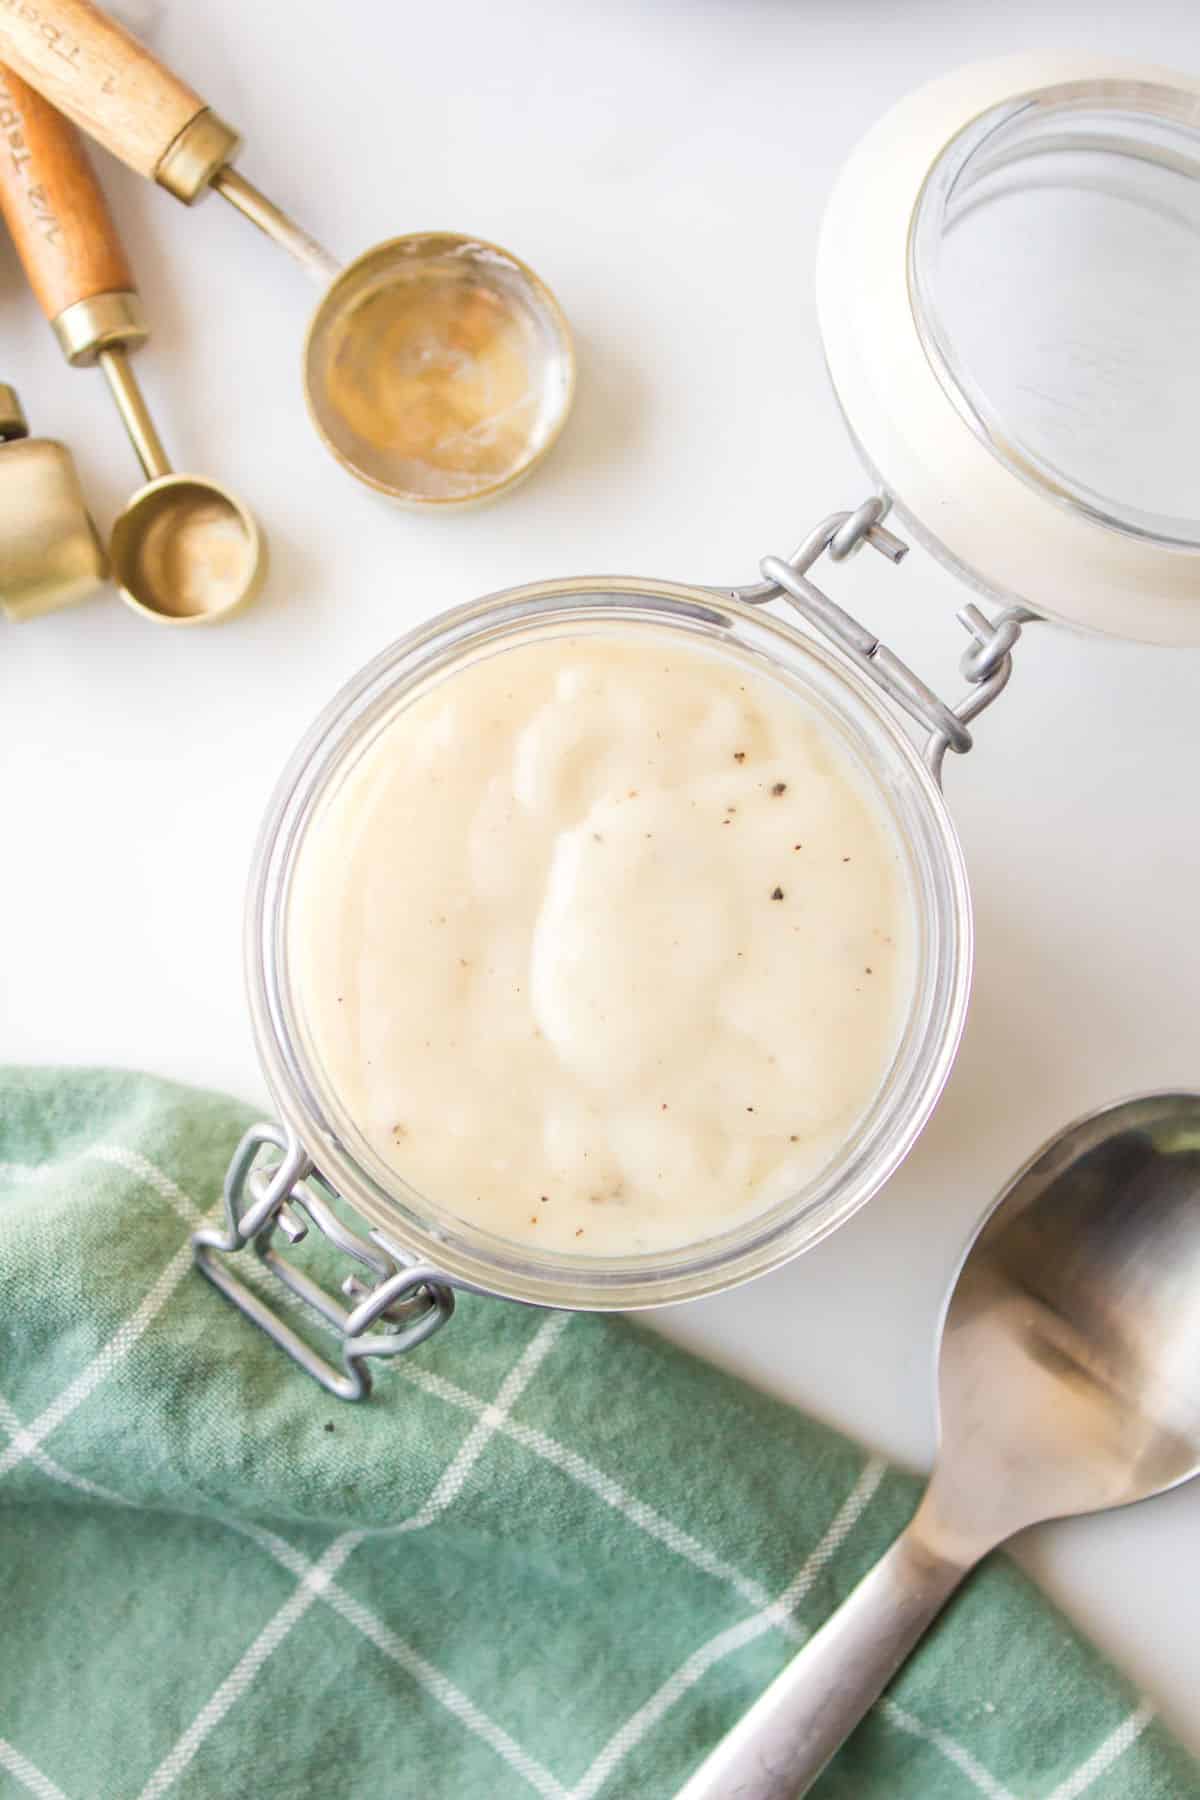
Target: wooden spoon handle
{"x": 53, "y": 204}
{"x": 93, "y": 70}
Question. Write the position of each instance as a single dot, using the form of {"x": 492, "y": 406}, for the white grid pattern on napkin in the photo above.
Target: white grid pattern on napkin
{"x": 316, "y": 1579}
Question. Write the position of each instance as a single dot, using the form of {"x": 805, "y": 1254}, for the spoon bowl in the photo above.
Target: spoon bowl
{"x": 1069, "y": 1365}
{"x": 1068, "y": 1382}
{"x": 438, "y": 369}
{"x": 184, "y": 550}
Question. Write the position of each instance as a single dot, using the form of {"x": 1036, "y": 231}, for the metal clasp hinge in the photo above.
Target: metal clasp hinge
{"x": 411, "y": 1300}
{"x": 986, "y": 664}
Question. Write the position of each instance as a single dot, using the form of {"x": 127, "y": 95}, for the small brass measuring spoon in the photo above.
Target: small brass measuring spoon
{"x": 438, "y": 369}
{"x": 50, "y": 553}
{"x": 184, "y": 551}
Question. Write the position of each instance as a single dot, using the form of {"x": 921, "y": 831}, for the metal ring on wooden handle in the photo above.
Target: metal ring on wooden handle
{"x": 101, "y": 77}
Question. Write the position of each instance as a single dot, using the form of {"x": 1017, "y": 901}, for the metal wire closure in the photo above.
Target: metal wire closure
{"x": 261, "y": 1198}
{"x": 987, "y": 664}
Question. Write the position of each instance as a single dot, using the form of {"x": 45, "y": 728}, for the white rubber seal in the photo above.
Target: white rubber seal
{"x": 1000, "y": 533}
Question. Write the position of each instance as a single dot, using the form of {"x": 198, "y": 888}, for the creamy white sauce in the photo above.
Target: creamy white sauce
{"x": 603, "y": 943}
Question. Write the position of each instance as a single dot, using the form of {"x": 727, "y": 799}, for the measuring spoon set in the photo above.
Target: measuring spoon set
{"x": 438, "y": 369}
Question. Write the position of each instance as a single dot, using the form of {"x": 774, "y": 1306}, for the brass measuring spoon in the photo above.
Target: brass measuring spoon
{"x": 184, "y": 551}
{"x": 50, "y": 553}
{"x": 438, "y": 369}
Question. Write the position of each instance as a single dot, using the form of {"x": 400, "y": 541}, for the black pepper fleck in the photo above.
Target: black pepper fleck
{"x": 777, "y": 893}
{"x": 779, "y": 788}
{"x": 739, "y": 756}
{"x": 329, "y": 1426}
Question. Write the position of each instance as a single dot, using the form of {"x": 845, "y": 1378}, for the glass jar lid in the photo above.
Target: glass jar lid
{"x": 1009, "y": 294}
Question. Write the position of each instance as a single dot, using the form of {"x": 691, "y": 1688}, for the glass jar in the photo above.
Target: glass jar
{"x": 906, "y": 793}
{"x": 1041, "y": 450}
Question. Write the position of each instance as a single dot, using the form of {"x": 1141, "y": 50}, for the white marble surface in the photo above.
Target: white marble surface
{"x": 664, "y": 166}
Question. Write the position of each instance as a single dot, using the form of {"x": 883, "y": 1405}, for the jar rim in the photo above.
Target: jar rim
{"x": 1005, "y": 157}
{"x": 408, "y": 1224}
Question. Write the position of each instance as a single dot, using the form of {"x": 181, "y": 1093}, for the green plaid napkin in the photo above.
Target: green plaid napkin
{"x": 551, "y": 1556}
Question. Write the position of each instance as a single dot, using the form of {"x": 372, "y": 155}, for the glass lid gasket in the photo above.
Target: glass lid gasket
{"x": 1054, "y": 276}
{"x": 469, "y": 1255}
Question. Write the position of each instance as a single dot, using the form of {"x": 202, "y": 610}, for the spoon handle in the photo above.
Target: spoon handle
{"x": 53, "y": 205}
{"x": 782, "y": 1744}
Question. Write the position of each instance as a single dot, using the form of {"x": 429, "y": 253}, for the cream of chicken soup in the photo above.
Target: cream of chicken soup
{"x": 603, "y": 943}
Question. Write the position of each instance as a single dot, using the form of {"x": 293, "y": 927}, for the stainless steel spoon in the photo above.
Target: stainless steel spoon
{"x": 1068, "y": 1382}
